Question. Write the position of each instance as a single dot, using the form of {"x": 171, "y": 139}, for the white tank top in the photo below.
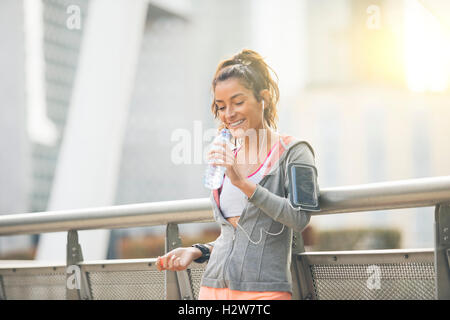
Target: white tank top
{"x": 232, "y": 199}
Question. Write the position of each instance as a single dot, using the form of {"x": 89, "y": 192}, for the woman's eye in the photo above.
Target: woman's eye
{"x": 220, "y": 108}
{"x": 239, "y": 103}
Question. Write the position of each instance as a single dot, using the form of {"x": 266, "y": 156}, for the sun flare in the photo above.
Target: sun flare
{"x": 427, "y": 50}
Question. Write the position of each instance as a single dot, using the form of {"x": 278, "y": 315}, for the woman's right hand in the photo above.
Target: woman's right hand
{"x": 178, "y": 259}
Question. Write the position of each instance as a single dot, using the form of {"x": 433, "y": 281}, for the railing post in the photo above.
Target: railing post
{"x": 442, "y": 251}
{"x": 178, "y": 285}
{"x": 77, "y": 286}
{"x": 2, "y": 292}
{"x": 300, "y": 286}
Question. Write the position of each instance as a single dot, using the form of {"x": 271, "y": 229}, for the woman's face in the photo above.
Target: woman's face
{"x": 237, "y": 107}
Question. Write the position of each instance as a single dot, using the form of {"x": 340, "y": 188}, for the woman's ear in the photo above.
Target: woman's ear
{"x": 265, "y": 95}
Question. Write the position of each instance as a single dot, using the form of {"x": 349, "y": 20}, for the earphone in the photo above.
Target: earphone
{"x": 260, "y": 233}
{"x": 261, "y": 230}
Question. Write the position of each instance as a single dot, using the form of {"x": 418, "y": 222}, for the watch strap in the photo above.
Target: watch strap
{"x": 205, "y": 252}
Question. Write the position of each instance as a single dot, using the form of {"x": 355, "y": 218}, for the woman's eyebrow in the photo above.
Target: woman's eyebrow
{"x": 234, "y": 96}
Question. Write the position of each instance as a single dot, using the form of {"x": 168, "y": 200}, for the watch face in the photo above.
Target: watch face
{"x": 205, "y": 253}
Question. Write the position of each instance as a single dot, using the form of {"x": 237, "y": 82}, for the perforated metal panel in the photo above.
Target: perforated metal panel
{"x": 330, "y": 275}
{"x": 402, "y": 281}
{"x": 195, "y": 277}
{"x": 51, "y": 286}
{"x": 127, "y": 285}
{"x": 383, "y": 276}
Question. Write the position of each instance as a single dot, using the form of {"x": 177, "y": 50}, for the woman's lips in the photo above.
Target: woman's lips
{"x": 237, "y": 123}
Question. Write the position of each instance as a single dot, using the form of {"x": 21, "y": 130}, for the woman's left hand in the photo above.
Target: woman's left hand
{"x": 222, "y": 155}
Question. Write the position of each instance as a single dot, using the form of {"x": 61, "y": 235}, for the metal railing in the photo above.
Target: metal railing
{"x": 310, "y": 277}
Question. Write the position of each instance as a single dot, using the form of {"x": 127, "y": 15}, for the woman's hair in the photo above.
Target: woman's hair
{"x": 254, "y": 74}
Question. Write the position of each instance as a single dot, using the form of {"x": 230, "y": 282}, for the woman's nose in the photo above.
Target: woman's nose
{"x": 229, "y": 112}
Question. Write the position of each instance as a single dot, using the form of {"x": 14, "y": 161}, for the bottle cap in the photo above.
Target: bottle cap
{"x": 226, "y": 134}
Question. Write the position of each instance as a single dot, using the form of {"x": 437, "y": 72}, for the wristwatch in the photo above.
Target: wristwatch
{"x": 205, "y": 252}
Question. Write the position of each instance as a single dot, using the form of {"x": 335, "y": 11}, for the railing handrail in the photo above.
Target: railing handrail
{"x": 26, "y": 264}
{"x": 423, "y": 192}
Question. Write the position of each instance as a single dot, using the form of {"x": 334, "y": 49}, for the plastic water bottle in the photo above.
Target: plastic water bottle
{"x": 214, "y": 175}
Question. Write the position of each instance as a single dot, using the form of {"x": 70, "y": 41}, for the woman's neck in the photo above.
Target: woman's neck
{"x": 258, "y": 144}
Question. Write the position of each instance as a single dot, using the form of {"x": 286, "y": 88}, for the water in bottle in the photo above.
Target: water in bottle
{"x": 214, "y": 175}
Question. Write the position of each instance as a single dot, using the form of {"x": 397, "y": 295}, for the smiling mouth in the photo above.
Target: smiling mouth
{"x": 237, "y": 123}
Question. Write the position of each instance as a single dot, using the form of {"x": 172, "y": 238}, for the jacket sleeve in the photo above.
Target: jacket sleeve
{"x": 212, "y": 243}
{"x": 279, "y": 208}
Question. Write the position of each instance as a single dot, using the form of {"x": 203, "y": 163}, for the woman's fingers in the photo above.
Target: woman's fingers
{"x": 170, "y": 262}
{"x": 216, "y": 154}
{"x": 162, "y": 263}
{"x": 223, "y": 156}
{"x": 159, "y": 264}
{"x": 221, "y": 148}
{"x": 220, "y": 158}
{"x": 176, "y": 264}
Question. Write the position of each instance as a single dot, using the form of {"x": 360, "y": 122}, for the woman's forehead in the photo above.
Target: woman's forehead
{"x": 229, "y": 89}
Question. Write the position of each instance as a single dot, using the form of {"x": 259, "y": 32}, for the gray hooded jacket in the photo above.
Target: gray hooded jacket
{"x": 240, "y": 264}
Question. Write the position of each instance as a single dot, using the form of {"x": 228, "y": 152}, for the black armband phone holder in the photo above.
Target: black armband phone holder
{"x": 303, "y": 187}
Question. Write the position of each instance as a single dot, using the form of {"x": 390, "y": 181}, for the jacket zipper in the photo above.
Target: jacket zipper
{"x": 232, "y": 243}
{"x": 245, "y": 209}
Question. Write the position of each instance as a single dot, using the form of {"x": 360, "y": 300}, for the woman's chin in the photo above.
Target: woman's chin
{"x": 238, "y": 133}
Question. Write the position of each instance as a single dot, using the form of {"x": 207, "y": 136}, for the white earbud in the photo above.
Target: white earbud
{"x": 263, "y": 104}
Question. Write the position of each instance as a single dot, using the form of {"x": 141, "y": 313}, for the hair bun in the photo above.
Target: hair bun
{"x": 243, "y": 61}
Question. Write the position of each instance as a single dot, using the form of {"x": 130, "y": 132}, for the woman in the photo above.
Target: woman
{"x": 251, "y": 257}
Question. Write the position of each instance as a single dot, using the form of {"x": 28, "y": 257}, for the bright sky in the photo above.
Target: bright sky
{"x": 427, "y": 50}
